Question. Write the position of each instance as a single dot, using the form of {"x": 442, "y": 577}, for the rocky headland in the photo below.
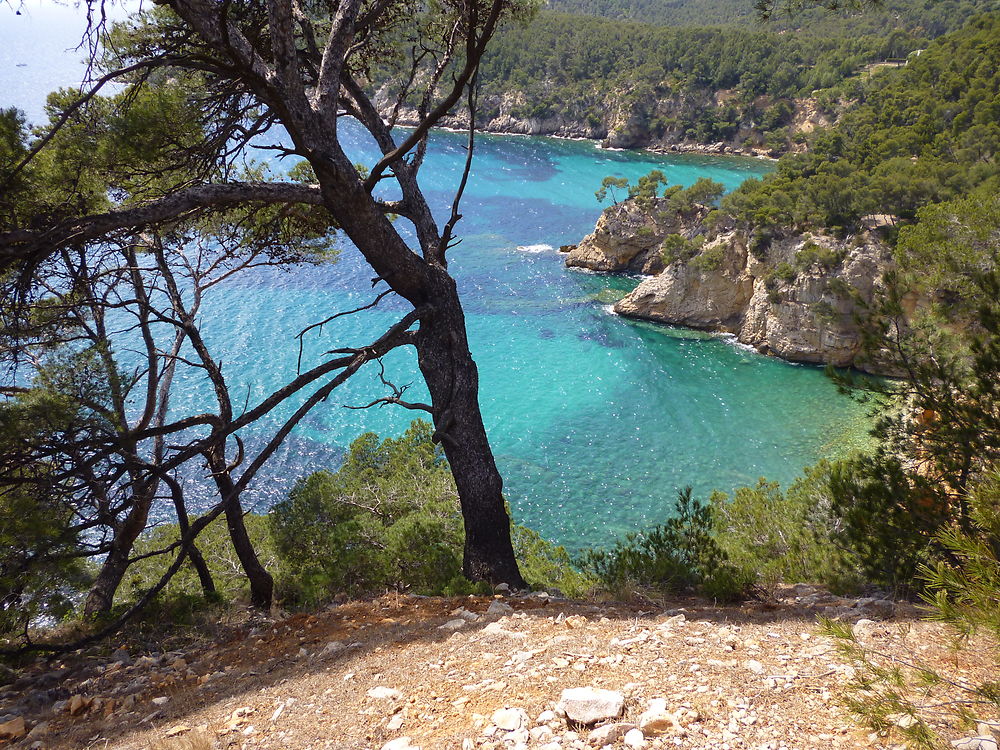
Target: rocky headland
{"x": 801, "y": 296}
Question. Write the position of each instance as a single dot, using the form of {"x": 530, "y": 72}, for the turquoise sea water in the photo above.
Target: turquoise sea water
{"x": 596, "y": 421}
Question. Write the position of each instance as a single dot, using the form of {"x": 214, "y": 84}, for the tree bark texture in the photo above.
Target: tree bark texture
{"x": 101, "y": 596}
{"x": 453, "y": 380}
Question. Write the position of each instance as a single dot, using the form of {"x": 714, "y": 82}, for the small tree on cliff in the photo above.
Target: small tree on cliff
{"x": 302, "y": 66}
{"x": 611, "y": 184}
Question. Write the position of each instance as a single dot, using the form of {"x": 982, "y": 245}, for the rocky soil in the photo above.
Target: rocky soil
{"x": 514, "y": 673}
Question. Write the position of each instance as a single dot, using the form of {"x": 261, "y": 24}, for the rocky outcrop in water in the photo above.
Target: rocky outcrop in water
{"x": 798, "y": 297}
{"x": 629, "y": 236}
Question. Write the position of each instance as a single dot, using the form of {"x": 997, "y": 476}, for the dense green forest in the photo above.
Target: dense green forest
{"x": 572, "y": 53}
{"x": 662, "y": 82}
{"x": 922, "y": 134}
{"x": 930, "y": 17}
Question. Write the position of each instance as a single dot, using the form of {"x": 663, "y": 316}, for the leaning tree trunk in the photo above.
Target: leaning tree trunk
{"x": 261, "y": 582}
{"x": 453, "y": 380}
{"x": 101, "y": 596}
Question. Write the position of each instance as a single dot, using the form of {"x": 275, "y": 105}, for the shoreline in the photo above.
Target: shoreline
{"x": 698, "y": 149}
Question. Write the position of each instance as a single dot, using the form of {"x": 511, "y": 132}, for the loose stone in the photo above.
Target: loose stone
{"x": 588, "y": 705}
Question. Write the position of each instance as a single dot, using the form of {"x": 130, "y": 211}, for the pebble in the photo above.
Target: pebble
{"x": 14, "y": 729}
{"x": 608, "y": 734}
{"x": 498, "y": 608}
{"x": 384, "y": 693}
{"x": 400, "y": 743}
{"x": 634, "y": 738}
{"x": 509, "y": 719}
{"x": 395, "y": 723}
{"x": 975, "y": 743}
{"x": 656, "y": 719}
{"x": 122, "y": 657}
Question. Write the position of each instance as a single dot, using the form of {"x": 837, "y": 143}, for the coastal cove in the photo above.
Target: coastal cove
{"x": 596, "y": 421}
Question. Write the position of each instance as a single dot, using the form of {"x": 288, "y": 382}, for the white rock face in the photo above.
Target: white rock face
{"x": 628, "y": 237}
{"x": 786, "y": 305}
{"x": 683, "y": 293}
{"x": 588, "y": 705}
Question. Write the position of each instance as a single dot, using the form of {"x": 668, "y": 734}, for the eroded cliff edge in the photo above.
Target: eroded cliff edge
{"x": 801, "y": 297}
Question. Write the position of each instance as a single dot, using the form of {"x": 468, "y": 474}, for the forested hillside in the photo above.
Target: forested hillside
{"x": 667, "y": 83}
{"x": 931, "y": 17}
{"x": 920, "y": 135}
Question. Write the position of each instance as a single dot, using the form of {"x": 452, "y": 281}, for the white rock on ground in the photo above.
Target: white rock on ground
{"x": 634, "y": 738}
{"x": 498, "y": 608}
{"x": 656, "y": 719}
{"x": 510, "y": 719}
{"x": 589, "y": 705}
{"x": 975, "y": 743}
{"x": 400, "y": 743}
{"x": 384, "y": 693}
{"x": 609, "y": 734}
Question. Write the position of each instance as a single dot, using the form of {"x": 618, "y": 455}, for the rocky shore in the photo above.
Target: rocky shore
{"x": 632, "y": 125}
{"x": 800, "y": 297}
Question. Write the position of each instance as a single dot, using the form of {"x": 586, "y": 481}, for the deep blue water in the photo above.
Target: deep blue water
{"x": 596, "y": 421}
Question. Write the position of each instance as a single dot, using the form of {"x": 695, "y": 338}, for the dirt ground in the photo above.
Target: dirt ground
{"x": 440, "y": 672}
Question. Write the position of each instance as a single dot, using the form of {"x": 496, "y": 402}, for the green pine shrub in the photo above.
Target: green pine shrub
{"x": 387, "y": 519}
{"x": 924, "y": 703}
{"x": 679, "y": 556}
{"x": 786, "y": 537}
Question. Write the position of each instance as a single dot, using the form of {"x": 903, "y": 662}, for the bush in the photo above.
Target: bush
{"x": 783, "y": 272}
{"x": 216, "y": 547}
{"x": 678, "y": 556}
{"x": 760, "y": 243}
{"x": 889, "y": 517}
{"x": 812, "y": 254}
{"x": 915, "y": 699}
{"x": 387, "y": 519}
{"x": 677, "y": 247}
{"x": 710, "y": 259}
{"x": 546, "y": 565}
{"x": 786, "y": 537}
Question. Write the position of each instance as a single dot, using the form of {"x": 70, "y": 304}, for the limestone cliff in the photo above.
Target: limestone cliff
{"x": 798, "y": 297}
{"x": 663, "y": 119}
{"x": 629, "y": 236}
